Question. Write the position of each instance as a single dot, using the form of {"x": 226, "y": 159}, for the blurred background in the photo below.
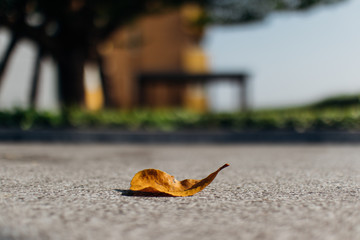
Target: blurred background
{"x": 293, "y": 57}
{"x": 262, "y": 64}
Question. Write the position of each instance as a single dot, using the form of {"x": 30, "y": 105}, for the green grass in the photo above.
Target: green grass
{"x": 340, "y": 113}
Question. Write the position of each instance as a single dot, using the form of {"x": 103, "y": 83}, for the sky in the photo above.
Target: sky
{"x": 15, "y": 89}
{"x": 292, "y": 57}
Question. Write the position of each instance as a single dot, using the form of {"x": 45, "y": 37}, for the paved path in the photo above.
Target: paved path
{"x": 268, "y": 192}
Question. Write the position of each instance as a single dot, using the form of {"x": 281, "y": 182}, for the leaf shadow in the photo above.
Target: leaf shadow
{"x": 130, "y": 193}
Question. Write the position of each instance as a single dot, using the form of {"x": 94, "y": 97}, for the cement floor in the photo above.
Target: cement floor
{"x": 269, "y": 192}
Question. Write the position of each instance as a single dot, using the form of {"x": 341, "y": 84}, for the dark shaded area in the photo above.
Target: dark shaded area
{"x": 178, "y": 137}
{"x": 71, "y": 87}
{"x": 129, "y": 193}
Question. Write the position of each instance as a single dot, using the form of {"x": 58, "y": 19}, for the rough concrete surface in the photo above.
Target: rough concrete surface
{"x": 268, "y": 192}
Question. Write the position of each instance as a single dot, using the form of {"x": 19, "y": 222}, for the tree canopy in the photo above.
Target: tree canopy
{"x": 242, "y": 11}
{"x": 85, "y": 22}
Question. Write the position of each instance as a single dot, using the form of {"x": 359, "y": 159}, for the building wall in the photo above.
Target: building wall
{"x": 156, "y": 43}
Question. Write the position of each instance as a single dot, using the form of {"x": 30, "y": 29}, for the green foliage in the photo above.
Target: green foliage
{"x": 27, "y": 119}
{"x": 338, "y": 102}
{"x": 296, "y": 119}
{"x": 335, "y": 113}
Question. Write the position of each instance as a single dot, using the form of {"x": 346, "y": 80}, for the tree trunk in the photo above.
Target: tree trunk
{"x": 35, "y": 78}
{"x": 71, "y": 78}
{"x": 6, "y": 56}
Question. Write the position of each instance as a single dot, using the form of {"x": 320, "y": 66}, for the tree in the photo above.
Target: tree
{"x": 70, "y": 30}
{"x": 235, "y": 11}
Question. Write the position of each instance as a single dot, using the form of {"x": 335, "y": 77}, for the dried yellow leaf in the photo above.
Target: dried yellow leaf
{"x": 156, "y": 182}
